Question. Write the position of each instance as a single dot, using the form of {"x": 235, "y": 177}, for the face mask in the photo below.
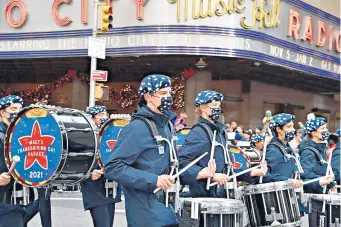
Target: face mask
{"x": 215, "y": 113}
{"x": 166, "y": 104}
{"x": 103, "y": 121}
{"x": 325, "y": 134}
{"x": 289, "y": 136}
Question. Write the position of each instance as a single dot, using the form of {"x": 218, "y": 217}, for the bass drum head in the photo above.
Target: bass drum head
{"x": 108, "y": 137}
{"x": 181, "y": 137}
{"x": 35, "y": 137}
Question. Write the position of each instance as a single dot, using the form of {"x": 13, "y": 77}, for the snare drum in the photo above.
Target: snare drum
{"x": 56, "y": 146}
{"x": 331, "y": 217}
{"x": 272, "y": 202}
{"x": 211, "y": 212}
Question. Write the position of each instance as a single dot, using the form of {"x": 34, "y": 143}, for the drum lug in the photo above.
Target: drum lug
{"x": 195, "y": 210}
{"x": 336, "y": 224}
{"x": 273, "y": 216}
{"x": 64, "y": 154}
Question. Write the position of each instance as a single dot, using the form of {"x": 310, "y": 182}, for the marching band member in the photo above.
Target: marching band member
{"x": 102, "y": 208}
{"x": 138, "y": 163}
{"x": 11, "y": 215}
{"x": 336, "y": 158}
{"x": 208, "y": 108}
{"x": 257, "y": 141}
{"x": 281, "y": 167}
{"x": 313, "y": 156}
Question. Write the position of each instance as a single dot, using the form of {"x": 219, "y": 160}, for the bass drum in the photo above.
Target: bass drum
{"x": 56, "y": 146}
{"x": 108, "y": 136}
{"x": 181, "y": 137}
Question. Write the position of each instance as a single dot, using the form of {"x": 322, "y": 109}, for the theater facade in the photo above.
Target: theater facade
{"x": 282, "y": 55}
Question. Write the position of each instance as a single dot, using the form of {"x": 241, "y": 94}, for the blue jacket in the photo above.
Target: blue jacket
{"x": 196, "y": 143}
{"x": 336, "y": 163}
{"x": 93, "y": 193}
{"x": 280, "y": 168}
{"x": 312, "y": 167}
{"x": 136, "y": 164}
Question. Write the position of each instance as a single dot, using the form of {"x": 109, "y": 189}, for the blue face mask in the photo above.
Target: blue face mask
{"x": 325, "y": 135}
{"x": 216, "y": 111}
{"x": 12, "y": 116}
{"x": 103, "y": 121}
{"x": 166, "y": 104}
{"x": 289, "y": 136}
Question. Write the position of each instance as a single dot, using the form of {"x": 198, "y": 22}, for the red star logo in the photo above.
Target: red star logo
{"x": 36, "y": 145}
{"x": 111, "y": 144}
{"x": 236, "y": 165}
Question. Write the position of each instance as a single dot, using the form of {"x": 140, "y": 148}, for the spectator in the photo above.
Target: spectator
{"x": 180, "y": 121}
{"x": 259, "y": 129}
{"x": 233, "y": 125}
{"x": 294, "y": 144}
{"x": 247, "y": 134}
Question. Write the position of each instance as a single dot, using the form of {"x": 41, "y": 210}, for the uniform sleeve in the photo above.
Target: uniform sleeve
{"x": 335, "y": 163}
{"x": 195, "y": 144}
{"x": 272, "y": 158}
{"x": 120, "y": 168}
{"x": 308, "y": 162}
{"x": 3, "y": 167}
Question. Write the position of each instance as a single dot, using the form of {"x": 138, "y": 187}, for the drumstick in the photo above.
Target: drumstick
{"x": 238, "y": 174}
{"x": 212, "y": 157}
{"x": 184, "y": 169}
{"x": 264, "y": 152}
{"x": 15, "y": 160}
{"x": 316, "y": 179}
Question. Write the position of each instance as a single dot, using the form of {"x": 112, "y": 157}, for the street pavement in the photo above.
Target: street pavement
{"x": 68, "y": 211}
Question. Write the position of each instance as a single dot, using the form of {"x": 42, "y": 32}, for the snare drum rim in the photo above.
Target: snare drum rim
{"x": 267, "y": 187}
{"x": 330, "y": 199}
{"x": 238, "y": 207}
{"x": 101, "y": 132}
{"x": 8, "y": 136}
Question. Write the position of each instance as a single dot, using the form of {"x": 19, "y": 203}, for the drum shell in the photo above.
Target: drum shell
{"x": 78, "y": 145}
{"x": 332, "y": 209}
{"x": 280, "y": 196}
{"x": 213, "y": 211}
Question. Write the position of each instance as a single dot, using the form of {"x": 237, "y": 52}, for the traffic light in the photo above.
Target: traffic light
{"x": 106, "y": 18}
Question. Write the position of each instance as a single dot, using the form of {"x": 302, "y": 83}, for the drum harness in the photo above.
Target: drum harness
{"x": 228, "y": 169}
{"x": 174, "y": 163}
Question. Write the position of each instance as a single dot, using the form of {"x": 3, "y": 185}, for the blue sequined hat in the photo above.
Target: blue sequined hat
{"x": 280, "y": 120}
{"x": 154, "y": 83}
{"x": 96, "y": 110}
{"x": 9, "y": 100}
{"x": 208, "y": 96}
{"x": 256, "y": 138}
{"x": 338, "y": 133}
{"x": 313, "y": 124}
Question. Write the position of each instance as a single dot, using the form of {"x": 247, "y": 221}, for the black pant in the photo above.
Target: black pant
{"x": 44, "y": 199}
{"x": 103, "y": 216}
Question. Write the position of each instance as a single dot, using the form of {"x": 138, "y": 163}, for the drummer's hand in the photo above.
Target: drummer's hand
{"x": 221, "y": 178}
{"x": 165, "y": 181}
{"x": 207, "y": 172}
{"x": 296, "y": 183}
{"x": 96, "y": 174}
{"x": 326, "y": 180}
{"x": 5, "y": 178}
{"x": 333, "y": 189}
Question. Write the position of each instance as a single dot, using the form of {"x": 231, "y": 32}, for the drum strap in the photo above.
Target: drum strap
{"x": 316, "y": 152}
{"x": 281, "y": 148}
{"x": 209, "y": 131}
{"x": 153, "y": 129}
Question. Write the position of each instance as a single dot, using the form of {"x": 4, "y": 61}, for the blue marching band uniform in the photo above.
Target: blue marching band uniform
{"x": 141, "y": 160}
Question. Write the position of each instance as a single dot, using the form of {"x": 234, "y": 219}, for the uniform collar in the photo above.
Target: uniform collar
{"x": 318, "y": 146}
{"x": 214, "y": 126}
{"x": 146, "y": 112}
{"x": 3, "y": 127}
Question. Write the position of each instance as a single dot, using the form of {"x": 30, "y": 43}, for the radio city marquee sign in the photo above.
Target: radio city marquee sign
{"x": 188, "y": 23}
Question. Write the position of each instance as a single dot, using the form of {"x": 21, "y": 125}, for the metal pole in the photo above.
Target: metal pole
{"x": 93, "y": 59}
